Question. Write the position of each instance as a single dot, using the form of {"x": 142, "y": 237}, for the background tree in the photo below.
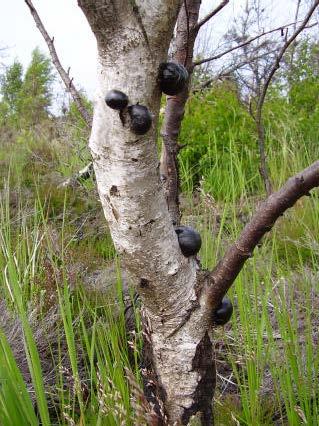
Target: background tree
{"x": 255, "y": 78}
{"x": 10, "y": 88}
{"x": 35, "y": 97}
{"x": 26, "y": 98}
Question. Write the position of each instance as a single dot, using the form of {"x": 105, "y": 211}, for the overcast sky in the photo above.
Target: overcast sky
{"x": 74, "y": 41}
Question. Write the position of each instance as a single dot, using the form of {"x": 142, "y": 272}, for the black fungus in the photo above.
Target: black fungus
{"x": 172, "y": 78}
{"x": 141, "y": 119}
{"x": 189, "y": 240}
{"x": 223, "y": 312}
{"x": 116, "y": 99}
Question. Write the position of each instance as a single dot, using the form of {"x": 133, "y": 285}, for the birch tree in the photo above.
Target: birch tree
{"x": 179, "y": 299}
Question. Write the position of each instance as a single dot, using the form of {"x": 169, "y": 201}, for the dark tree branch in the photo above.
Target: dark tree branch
{"x": 188, "y": 33}
{"x": 210, "y": 15}
{"x": 225, "y": 273}
{"x": 246, "y": 43}
{"x": 175, "y": 106}
{"x": 68, "y": 82}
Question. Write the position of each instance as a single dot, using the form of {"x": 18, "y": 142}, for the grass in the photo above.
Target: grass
{"x": 64, "y": 353}
{"x": 87, "y": 345}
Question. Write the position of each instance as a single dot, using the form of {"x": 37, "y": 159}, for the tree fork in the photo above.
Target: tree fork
{"x": 178, "y": 299}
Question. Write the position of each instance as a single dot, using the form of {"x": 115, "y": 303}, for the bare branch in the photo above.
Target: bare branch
{"x": 225, "y": 273}
{"x": 68, "y": 82}
{"x": 226, "y": 72}
{"x": 247, "y": 42}
{"x": 261, "y": 98}
{"x": 281, "y": 54}
{"x": 81, "y": 175}
{"x": 210, "y": 15}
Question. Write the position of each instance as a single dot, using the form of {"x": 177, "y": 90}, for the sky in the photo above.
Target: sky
{"x": 74, "y": 40}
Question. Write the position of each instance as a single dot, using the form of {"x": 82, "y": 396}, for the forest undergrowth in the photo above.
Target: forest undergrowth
{"x": 65, "y": 357}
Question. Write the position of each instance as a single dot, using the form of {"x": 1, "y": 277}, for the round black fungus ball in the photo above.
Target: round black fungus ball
{"x": 141, "y": 119}
{"x": 223, "y": 312}
{"x": 116, "y": 99}
{"x": 189, "y": 240}
{"x": 172, "y": 77}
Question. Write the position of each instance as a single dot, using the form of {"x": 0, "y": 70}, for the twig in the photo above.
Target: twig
{"x": 68, "y": 82}
{"x": 225, "y": 273}
{"x": 261, "y": 99}
{"x": 210, "y": 15}
{"x": 83, "y": 174}
{"x": 226, "y": 71}
{"x": 238, "y": 46}
{"x": 283, "y": 50}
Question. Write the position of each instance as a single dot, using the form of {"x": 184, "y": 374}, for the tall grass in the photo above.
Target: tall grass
{"x": 68, "y": 365}
{"x": 88, "y": 348}
{"x": 272, "y": 341}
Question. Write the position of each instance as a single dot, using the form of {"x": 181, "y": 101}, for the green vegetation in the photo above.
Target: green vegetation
{"x": 64, "y": 353}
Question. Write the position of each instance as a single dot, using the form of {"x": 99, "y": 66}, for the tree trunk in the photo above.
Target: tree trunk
{"x": 263, "y": 168}
{"x": 175, "y": 106}
{"x": 133, "y": 39}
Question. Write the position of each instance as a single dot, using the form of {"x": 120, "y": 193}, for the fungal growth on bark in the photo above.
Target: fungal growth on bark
{"x": 172, "y": 78}
{"x": 223, "y": 312}
{"x": 189, "y": 240}
{"x": 141, "y": 119}
{"x": 116, "y": 99}
{"x": 179, "y": 301}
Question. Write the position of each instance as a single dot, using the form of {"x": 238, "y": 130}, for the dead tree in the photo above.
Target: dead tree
{"x": 133, "y": 40}
{"x": 261, "y": 71}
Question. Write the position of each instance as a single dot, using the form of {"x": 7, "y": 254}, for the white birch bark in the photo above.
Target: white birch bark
{"x": 132, "y": 42}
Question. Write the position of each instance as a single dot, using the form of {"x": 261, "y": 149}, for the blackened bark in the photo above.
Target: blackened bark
{"x": 204, "y": 364}
{"x": 153, "y": 391}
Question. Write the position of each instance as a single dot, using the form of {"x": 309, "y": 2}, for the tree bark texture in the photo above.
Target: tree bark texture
{"x": 133, "y": 39}
{"x": 183, "y": 47}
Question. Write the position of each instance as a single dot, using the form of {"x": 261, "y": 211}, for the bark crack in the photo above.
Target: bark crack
{"x": 204, "y": 364}
{"x": 194, "y": 305}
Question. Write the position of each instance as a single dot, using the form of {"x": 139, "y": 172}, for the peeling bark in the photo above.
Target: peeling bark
{"x": 177, "y": 298}
{"x": 136, "y": 210}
